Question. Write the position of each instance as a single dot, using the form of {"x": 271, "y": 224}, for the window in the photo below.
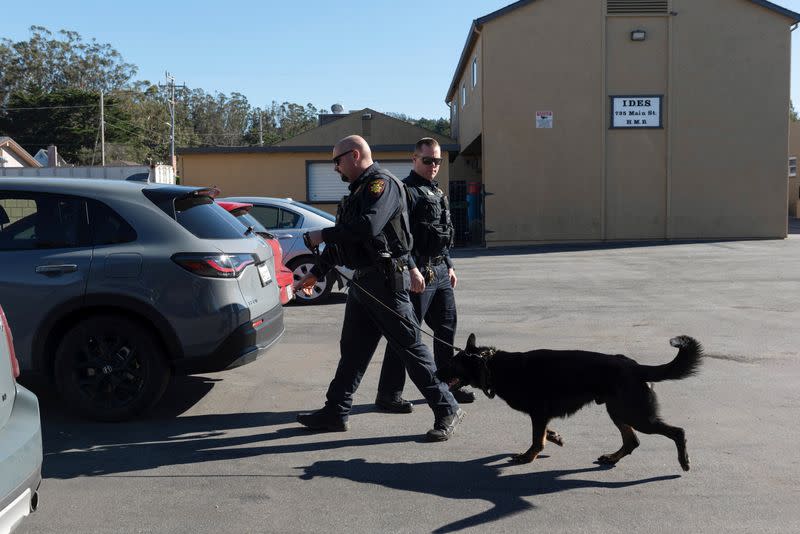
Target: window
{"x": 40, "y": 221}
{"x": 793, "y": 166}
{"x": 108, "y": 227}
{"x": 474, "y": 72}
{"x": 275, "y": 218}
{"x": 206, "y": 219}
{"x": 463, "y": 95}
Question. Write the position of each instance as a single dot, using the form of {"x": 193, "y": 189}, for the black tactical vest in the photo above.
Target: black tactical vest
{"x": 432, "y": 225}
{"x": 395, "y": 239}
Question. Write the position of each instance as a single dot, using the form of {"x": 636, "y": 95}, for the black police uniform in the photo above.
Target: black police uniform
{"x": 372, "y": 236}
{"x": 433, "y": 233}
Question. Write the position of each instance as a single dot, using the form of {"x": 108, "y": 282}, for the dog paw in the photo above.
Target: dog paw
{"x": 607, "y": 459}
{"x": 523, "y": 458}
{"x": 555, "y": 437}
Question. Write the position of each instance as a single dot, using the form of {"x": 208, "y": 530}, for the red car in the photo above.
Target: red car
{"x": 283, "y": 275}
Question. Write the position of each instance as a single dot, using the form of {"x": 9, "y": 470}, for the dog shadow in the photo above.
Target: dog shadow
{"x": 475, "y": 479}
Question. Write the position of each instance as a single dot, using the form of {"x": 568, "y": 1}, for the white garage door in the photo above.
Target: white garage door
{"x": 324, "y": 184}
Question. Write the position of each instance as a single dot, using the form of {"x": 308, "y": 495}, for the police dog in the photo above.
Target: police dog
{"x": 557, "y": 383}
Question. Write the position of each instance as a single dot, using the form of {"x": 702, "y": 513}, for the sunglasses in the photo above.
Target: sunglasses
{"x": 340, "y": 156}
{"x": 428, "y": 160}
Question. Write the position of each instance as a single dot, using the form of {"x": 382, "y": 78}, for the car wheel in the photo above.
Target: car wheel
{"x": 322, "y": 289}
{"x": 110, "y": 368}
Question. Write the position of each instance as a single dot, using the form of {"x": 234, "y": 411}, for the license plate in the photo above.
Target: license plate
{"x": 263, "y": 273}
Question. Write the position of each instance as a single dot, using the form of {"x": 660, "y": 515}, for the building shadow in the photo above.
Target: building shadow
{"x": 793, "y": 226}
{"x": 470, "y": 480}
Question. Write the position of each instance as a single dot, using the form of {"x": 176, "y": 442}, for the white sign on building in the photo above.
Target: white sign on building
{"x": 544, "y": 119}
{"x": 636, "y": 111}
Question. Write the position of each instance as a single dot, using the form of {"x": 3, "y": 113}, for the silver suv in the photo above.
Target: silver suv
{"x": 116, "y": 285}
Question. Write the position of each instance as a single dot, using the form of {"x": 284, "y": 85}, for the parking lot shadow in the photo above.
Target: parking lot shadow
{"x": 470, "y": 480}
{"x": 74, "y": 447}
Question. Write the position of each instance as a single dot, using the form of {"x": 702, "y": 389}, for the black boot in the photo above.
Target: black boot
{"x": 444, "y": 427}
{"x": 322, "y": 420}
{"x": 393, "y": 404}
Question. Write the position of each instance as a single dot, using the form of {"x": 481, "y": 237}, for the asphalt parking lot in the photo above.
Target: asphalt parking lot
{"x": 222, "y": 452}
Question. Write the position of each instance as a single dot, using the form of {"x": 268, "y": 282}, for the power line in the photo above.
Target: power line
{"x": 55, "y": 107}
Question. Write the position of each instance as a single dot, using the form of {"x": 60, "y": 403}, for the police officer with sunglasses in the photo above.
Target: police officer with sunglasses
{"x": 433, "y": 278}
{"x": 372, "y": 235}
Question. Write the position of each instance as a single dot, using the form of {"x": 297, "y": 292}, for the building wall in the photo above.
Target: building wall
{"x": 269, "y": 174}
{"x": 470, "y": 116}
{"x": 636, "y": 159}
{"x": 716, "y": 169}
{"x": 546, "y": 183}
{"x": 728, "y": 110}
{"x": 793, "y": 192}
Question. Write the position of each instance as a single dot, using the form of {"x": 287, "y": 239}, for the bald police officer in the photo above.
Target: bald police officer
{"x": 372, "y": 236}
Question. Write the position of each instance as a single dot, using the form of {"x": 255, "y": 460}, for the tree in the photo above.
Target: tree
{"x": 793, "y": 113}
{"x": 44, "y": 63}
{"x": 68, "y": 118}
{"x": 440, "y": 126}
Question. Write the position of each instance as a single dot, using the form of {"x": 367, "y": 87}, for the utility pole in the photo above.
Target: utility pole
{"x": 171, "y": 86}
{"x": 102, "y": 131}
{"x": 260, "y": 129}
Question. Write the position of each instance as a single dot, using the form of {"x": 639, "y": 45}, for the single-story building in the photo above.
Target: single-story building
{"x": 609, "y": 120}
{"x": 301, "y": 167}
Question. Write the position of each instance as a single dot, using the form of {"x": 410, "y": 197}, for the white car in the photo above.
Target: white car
{"x": 288, "y": 220}
{"x": 20, "y": 439}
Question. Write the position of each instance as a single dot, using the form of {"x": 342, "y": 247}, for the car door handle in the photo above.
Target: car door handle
{"x": 285, "y": 236}
{"x": 56, "y": 269}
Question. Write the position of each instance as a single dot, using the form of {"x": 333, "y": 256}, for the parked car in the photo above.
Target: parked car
{"x": 283, "y": 275}
{"x": 117, "y": 285}
{"x": 20, "y": 439}
{"x": 289, "y": 219}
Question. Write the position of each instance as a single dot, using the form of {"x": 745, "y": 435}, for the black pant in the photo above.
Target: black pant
{"x": 437, "y": 306}
{"x": 365, "y": 321}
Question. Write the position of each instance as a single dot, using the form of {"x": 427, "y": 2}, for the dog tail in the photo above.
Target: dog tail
{"x": 685, "y": 364}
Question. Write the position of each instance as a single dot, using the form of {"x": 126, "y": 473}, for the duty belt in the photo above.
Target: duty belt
{"x": 436, "y": 260}
{"x": 361, "y": 272}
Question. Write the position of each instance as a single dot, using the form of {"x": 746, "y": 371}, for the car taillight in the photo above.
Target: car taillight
{"x": 10, "y": 340}
{"x": 214, "y": 265}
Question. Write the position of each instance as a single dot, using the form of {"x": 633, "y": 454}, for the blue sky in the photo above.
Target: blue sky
{"x": 389, "y": 55}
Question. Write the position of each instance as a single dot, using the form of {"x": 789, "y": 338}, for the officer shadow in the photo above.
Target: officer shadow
{"x": 470, "y": 480}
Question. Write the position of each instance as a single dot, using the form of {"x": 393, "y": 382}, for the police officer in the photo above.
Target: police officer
{"x": 372, "y": 236}
{"x": 433, "y": 278}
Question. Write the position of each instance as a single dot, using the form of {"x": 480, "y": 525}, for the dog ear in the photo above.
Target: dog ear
{"x": 471, "y": 343}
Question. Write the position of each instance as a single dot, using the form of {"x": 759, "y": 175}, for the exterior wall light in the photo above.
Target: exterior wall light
{"x": 638, "y": 35}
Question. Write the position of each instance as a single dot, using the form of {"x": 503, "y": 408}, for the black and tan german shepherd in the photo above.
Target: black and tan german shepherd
{"x": 557, "y": 383}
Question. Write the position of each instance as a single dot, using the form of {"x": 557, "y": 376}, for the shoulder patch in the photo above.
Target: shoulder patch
{"x": 377, "y": 187}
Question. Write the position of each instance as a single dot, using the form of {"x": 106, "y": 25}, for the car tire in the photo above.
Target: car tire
{"x": 110, "y": 368}
{"x": 300, "y": 267}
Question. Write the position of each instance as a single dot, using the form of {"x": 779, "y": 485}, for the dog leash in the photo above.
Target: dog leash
{"x": 315, "y": 251}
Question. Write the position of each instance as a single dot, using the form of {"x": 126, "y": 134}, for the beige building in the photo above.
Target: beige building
{"x": 608, "y": 120}
{"x": 793, "y": 195}
{"x": 301, "y": 167}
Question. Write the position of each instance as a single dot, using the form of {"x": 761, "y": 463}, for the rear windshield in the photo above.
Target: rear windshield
{"x": 318, "y": 211}
{"x": 206, "y": 219}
